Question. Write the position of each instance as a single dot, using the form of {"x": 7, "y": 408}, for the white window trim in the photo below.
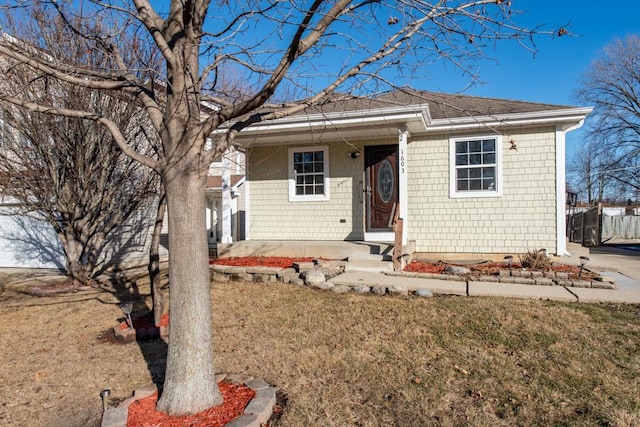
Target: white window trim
{"x": 293, "y": 197}
{"x": 453, "y": 192}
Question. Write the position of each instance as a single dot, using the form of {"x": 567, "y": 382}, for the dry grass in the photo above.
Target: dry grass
{"x": 342, "y": 360}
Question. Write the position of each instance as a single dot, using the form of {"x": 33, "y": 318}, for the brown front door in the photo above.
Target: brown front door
{"x": 382, "y": 186}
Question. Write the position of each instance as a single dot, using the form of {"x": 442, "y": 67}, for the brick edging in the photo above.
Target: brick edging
{"x": 557, "y": 279}
{"x": 257, "y": 412}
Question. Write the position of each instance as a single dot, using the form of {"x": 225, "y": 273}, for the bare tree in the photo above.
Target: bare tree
{"x": 612, "y": 86}
{"x": 69, "y": 173}
{"x": 305, "y": 51}
{"x": 585, "y": 173}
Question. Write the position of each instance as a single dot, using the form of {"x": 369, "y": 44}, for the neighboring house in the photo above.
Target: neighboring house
{"x": 28, "y": 242}
{"x": 469, "y": 175}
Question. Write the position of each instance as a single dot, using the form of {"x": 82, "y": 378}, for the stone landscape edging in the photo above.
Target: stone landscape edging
{"x": 257, "y": 274}
{"x": 256, "y": 413}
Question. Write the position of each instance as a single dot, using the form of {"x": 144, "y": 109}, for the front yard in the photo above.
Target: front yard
{"x": 340, "y": 359}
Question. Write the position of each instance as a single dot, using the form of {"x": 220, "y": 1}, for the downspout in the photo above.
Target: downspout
{"x": 561, "y": 189}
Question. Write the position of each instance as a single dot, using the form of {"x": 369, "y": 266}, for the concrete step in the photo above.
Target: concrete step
{"x": 371, "y": 266}
{"x": 368, "y": 258}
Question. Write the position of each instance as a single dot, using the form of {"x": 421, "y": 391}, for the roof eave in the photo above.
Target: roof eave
{"x": 344, "y": 118}
{"x": 551, "y": 117}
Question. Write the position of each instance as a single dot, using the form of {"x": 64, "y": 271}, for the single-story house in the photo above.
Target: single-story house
{"x": 468, "y": 175}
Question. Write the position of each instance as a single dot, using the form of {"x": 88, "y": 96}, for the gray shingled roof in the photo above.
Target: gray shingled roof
{"x": 441, "y": 105}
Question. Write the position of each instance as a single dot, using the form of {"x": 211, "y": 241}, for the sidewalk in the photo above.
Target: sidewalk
{"x": 615, "y": 261}
{"x": 618, "y": 262}
{"x": 471, "y": 288}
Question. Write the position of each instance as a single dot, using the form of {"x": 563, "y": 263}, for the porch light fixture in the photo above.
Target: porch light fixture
{"x": 104, "y": 395}
{"x": 354, "y": 154}
{"x": 509, "y": 260}
{"x": 583, "y": 261}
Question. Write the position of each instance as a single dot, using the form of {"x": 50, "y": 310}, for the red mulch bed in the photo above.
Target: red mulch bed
{"x": 143, "y": 413}
{"x": 266, "y": 261}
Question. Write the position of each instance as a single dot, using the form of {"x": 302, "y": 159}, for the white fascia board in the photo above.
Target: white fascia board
{"x": 568, "y": 115}
{"x": 345, "y": 118}
{"x": 238, "y": 184}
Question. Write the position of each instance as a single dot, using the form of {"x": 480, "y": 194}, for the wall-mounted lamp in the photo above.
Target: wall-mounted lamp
{"x": 354, "y": 154}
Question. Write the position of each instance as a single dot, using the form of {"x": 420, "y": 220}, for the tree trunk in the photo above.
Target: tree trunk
{"x": 154, "y": 261}
{"x": 190, "y": 383}
{"x": 76, "y": 271}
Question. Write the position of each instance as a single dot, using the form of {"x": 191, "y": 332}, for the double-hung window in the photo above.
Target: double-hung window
{"x": 309, "y": 174}
{"x": 475, "y": 167}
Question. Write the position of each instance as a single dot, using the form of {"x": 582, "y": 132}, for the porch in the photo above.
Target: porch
{"x": 361, "y": 256}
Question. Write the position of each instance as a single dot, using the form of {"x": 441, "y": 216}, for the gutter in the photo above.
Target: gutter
{"x": 568, "y": 115}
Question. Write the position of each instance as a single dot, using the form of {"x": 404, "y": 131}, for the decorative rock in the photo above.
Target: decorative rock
{"x": 362, "y": 289}
{"x": 379, "y": 290}
{"x": 323, "y": 285}
{"x": 398, "y": 290}
{"x": 341, "y": 289}
{"x": 456, "y": 269}
{"x": 562, "y": 276}
{"x": 296, "y": 281}
{"x": 312, "y": 277}
{"x": 424, "y": 293}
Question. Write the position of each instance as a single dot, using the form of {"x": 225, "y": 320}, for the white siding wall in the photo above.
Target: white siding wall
{"x": 28, "y": 243}
{"x": 273, "y": 217}
{"x": 522, "y": 219}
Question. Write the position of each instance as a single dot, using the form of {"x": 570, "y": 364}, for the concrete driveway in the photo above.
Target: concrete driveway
{"x": 622, "y": 257}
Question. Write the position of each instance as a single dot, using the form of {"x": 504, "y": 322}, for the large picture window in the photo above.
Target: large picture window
{"x": 475, "y": 169}
{"x": 308, "y": 174}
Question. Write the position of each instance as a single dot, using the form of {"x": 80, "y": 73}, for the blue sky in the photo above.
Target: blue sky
{"x": 553, "y": 75}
